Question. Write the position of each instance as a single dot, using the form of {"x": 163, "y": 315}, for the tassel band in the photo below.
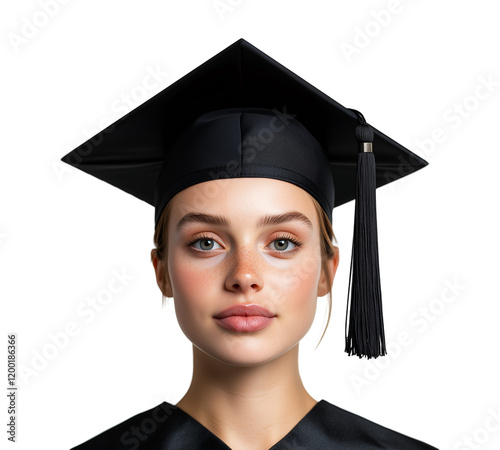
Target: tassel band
{"x": 365, "y": 147}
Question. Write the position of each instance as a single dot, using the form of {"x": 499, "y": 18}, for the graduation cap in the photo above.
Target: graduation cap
{"x": 242, "y": 114}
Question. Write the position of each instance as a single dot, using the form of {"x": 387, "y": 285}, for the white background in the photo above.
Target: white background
{"x": 407, "y": 65}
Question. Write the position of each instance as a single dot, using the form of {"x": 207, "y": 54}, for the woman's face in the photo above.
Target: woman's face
{"x": 222, "y": 252}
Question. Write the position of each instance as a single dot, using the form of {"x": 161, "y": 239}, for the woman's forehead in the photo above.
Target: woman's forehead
{"x": 243, "y": 198}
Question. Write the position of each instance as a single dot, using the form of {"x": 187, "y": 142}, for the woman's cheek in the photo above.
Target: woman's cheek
{"x": 187, "y": 273}
{"x": 191, "y": 297}
{"x": 299, "y": 279}
{"x": 191, "y": 287}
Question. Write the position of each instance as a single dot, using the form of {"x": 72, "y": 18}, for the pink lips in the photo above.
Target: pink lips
{"x": 245, "y": 318}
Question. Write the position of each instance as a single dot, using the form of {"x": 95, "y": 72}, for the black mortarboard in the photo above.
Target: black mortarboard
{"x": 242, "y": 114}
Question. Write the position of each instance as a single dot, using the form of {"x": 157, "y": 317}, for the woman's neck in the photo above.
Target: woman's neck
{"x": 247, "y": 407}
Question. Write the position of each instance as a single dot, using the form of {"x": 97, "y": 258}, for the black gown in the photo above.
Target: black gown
{"x": 325, "y": 426}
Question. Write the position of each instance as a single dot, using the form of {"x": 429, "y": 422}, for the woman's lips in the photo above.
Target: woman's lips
{"x": 245, "y": 318}
{"x": 245, "y": 323}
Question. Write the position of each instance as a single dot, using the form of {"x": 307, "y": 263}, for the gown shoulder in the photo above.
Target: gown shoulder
{"x": 328, "y": 426}
{"x": 164, "y": 427}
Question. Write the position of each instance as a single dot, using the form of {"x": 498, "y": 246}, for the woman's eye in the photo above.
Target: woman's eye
{"x": 281, "y": 244}
{"x": 205, "y": 244}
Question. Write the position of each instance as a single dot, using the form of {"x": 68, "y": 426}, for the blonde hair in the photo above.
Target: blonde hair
{"x": 328, "y": 246}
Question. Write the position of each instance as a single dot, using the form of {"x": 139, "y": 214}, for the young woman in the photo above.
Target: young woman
{"x": 237, "y": 301}
{"x": 244, "y": 245}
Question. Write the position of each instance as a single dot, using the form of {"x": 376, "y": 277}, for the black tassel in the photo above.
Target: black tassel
{"x": 364, "y": 319}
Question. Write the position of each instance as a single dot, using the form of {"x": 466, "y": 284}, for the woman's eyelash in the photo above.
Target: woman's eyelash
{"x": 288, "y": 238}
{"x": 199, "y": 238}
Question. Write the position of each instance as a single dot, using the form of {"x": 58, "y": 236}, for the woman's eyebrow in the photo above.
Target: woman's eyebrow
{"x": 282, "y": 218}
{"x": 269, "y": 219}
{"x": 203, "y": 218}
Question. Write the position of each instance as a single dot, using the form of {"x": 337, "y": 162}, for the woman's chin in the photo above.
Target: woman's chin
{"x": 238, "y": 353}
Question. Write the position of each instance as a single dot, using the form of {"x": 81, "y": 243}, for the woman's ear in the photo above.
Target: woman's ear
{"x": 162, "y": 278}
{"x": 323, "y": 286}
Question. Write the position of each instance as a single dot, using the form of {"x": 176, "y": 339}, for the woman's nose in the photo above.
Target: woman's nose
{"x": 245, "y": 274}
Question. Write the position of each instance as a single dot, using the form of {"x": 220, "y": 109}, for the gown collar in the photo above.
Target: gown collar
{"x": 284, "y": 443}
